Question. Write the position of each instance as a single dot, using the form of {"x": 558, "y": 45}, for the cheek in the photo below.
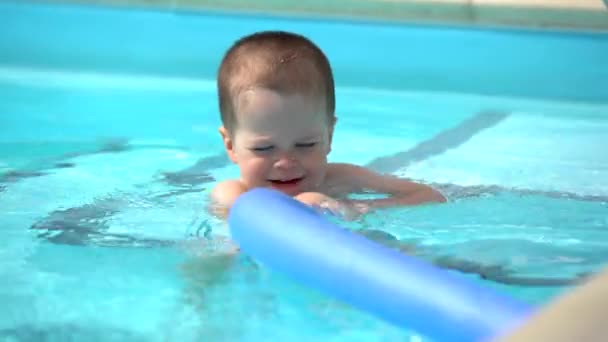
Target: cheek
{"x": 255, "y": 167}
{"x": 315, "y": 161}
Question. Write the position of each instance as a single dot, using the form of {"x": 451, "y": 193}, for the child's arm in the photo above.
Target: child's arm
{"x": 323, "y": 203}
{"x": 223, "y": 195}
{"x": 400, "y": 191}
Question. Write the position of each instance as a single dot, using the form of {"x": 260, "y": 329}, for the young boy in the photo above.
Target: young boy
{"x": 276, "y": 94}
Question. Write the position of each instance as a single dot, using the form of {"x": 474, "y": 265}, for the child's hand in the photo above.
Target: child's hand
{"x": 347, "y": 210}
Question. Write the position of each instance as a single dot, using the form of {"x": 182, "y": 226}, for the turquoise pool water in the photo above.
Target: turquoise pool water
{"x": 109, "y": 138}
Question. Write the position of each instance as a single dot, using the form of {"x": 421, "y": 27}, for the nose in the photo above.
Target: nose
{"x": 285, "y": 161}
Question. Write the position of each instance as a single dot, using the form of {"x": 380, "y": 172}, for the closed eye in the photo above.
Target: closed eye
{"x": 262, "y": 148}
{"x": 306, "y": 145}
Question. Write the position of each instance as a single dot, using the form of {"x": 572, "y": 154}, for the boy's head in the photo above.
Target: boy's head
{"x": 277, "y": 102}
{"x": 283, "y": 62}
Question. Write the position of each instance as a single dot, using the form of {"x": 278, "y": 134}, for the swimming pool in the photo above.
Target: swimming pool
{"x": 109, "y": 136}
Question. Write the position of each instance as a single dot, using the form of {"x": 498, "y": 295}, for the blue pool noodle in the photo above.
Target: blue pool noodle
{"x": 293, "y": 239}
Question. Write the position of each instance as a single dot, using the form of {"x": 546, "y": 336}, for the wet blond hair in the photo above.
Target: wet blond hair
{"x": 280, "y": 61}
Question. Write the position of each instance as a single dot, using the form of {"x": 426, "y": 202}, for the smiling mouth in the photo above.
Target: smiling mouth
{"x": 292, "y": 181}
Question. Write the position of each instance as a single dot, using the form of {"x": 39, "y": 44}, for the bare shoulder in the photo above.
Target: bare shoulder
{"x": 224, "y": 194}
{"x": 346, "y": 172}
{"x": 343, "y": 178}
{"x": 354, "y": 177}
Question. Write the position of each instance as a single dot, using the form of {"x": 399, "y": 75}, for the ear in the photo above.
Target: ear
{"x": 332, "y": 124}
{"x": 228, "y": 143}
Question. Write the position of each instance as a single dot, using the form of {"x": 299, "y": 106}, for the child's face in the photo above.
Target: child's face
{"x": 280, "y": 141}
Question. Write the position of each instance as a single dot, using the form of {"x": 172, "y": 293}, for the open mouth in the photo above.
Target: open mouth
{"x": 284, "y": 182}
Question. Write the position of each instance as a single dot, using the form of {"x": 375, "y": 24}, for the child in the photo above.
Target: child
{"x": 276, "y": 93}
{"x": 276, "y": 96}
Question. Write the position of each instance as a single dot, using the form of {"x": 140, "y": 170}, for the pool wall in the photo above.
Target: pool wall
{"x": 577, "y": 14}
{"x": 552, "y": 64}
